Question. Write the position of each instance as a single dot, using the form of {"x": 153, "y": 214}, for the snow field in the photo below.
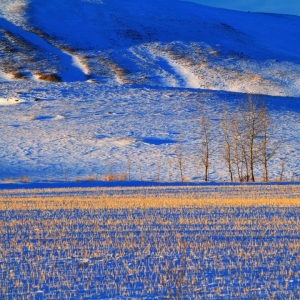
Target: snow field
{"x": 134, "y": 75}
{"x": 86, "y": 129}
{"x": 165, "y": 43}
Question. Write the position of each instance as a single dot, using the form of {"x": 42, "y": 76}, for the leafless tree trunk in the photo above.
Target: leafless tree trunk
{"x": 253, "y": 113}
{"x": 248, "y": 138}
{"x": 227, "y": 130}
{"x": 282, "y": 169}
{"x": 269, "y": 146}
{"x": 245, "y": 162}
{"x": 179, "y": 157}
{"x": 65, "y": 173}
{"x": 264, "y": 149}
{"x": 237, "y": 146}
{"x": 159, "y": 163}
{"x": 169, "y": 168}
{"x": 129, "y": 168}
{"x": 206, "y": 140}
{"x": 141, "y": 171}
{"x": 237, "y": 161}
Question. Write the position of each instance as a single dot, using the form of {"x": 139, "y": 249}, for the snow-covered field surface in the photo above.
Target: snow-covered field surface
{"x": 100, "y": 111}
{"x": 216, "y": 242}
{"x": 83, "y": 131}
{"x": 134, "y": 75}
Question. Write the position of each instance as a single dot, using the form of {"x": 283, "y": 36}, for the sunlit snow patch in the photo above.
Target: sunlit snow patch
{"x": 80, "y": 65}
{"x": 59, "y": 117}
{"x": 117, "y": 141}
{"x": 10, "y": 101}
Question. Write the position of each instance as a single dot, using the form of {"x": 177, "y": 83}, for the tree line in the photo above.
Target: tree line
{"x": 248, "y": 139}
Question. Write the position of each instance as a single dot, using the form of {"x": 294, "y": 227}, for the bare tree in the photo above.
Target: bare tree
{"x": 236, "y": 146}
{"x": 253, "y": 114}
{"x": 179, "y": 157}
{"x": 140, "y": 170}
{"x": 283, "y": 162}
{"x": 245, "y": 170}
{"x": 269, "y": 145}
{"x": 248, "y": 138}
{"x": 158, "y": 164}
{"x": 65, "y": 173}
{"x": 206, "y": 149}
{"x": 129, "y": 167}
{"x": 169, "y": 168}
{"x": 228, "y": 146}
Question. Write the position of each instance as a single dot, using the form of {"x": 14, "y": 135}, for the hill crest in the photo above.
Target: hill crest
{"x": 166, "y": 43}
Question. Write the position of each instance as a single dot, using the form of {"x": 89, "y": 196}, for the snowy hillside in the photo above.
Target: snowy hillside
{"x": 133, "y": 75}
{"x": 166, "y": 43}
{"x": 76, "y": 131}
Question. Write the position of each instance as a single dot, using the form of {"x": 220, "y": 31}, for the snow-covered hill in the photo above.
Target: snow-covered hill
{"x": 167, "y": 43}
{"x": 133, "y": 74}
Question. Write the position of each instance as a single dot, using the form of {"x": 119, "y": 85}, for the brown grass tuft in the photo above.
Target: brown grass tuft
{"x": 122, "y": 177}
{"x": 9, "y": 180}
{"x": 91, "y": 178}
{"x": 49, "y": 77}
{"x": 111, "y": 177}
{"x": 25, "y": 179}
{"x": 19, "y": 75}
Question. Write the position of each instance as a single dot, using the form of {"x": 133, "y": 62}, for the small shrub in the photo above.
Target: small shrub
{"x": 91, "y": 178}
{"x": 9, "y": 180}
{"x": 122, "y": 177}
{"x": 67, "y": 49}
{"x": 49, "y": 77}
{"x": 186, "y": 179}
{"x": 25, "y": 179}
{"x": 41, "y": 33}
{"x": 10, "y": 50}
{"x": 19, "y": 75}
{"x": 111, "y": 177}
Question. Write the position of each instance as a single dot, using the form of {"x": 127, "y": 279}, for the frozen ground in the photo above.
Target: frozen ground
{"x": 139, "y": 190}
{"x": 134, "y": 74}
{"x": 66, "y": 131}
{"x": 156, "y": 243}
{"x": 158, "y": 43}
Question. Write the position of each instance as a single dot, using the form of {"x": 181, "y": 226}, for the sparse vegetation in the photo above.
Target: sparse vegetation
{"x": 19, "y": 75}
{"x": 49, "y": 77}
{"x": 122, "y": 177}
{"x": 91, "y": 178}
{"x": 25, "y": 179}
{"x": 206, "y": 149}
{"x": 10, "y": 180}
{"x": 145, "y": 244}
{"x": 111, "y": 177}
{"x": 246, "y": 137}
{"x": 156, "y": 114}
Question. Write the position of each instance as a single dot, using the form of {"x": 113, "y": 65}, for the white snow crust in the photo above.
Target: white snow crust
{"x": 76, "y": 130}
{"x": 133, "y": 76}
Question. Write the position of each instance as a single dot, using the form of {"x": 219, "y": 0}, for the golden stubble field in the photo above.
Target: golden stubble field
{"x": 150, "y": 197}
{"x": 212, "y": 242}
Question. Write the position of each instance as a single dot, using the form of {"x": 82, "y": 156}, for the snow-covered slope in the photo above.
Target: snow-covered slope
{"x": 134, "y": 73}
{"x": 167, "y": 43}
{"x": 59, "y": 131}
